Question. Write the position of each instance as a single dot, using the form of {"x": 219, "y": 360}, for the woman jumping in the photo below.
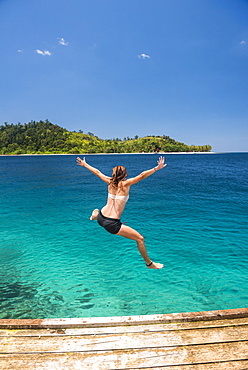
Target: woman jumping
{"x": 118, "y": 194}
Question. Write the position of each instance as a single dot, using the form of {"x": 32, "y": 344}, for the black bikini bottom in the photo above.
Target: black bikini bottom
{"x": 112, "y": 225}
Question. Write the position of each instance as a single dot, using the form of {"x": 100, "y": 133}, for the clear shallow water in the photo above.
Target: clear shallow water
{"x": 54, "y": 262}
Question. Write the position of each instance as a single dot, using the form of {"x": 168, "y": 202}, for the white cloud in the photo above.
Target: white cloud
{"x": 45, "y": 52}
{"x": 243, "y": 42}
{"x": 19, "y": 51}
{"x": 62, "y": 41}
{"x": 144, "y": 56}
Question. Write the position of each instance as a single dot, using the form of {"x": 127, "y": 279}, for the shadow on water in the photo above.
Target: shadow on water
{"x": 16, "y": 296}
{"x": 22, "y": 301}
{"x": 15, "y": 290}
{"x": 85, "y": 300}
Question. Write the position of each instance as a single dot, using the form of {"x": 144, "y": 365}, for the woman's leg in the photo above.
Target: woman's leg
{"x": 94, "y": 214}
{"x": 130, "y": 233}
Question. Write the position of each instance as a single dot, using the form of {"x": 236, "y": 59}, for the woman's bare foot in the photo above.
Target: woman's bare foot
{"x": 154, "y": 265}
{"x": 94, "y": 214}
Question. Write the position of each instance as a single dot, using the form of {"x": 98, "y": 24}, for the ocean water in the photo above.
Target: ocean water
{"x": 54, "y": 262}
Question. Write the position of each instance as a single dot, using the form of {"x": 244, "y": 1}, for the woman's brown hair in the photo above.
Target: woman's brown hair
{"x": 119, "y": 173}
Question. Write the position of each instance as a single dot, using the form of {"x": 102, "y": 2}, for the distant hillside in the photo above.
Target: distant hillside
{"x": 46, "y": 138}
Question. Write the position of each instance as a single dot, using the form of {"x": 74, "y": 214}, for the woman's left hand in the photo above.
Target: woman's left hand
{"x": 161, "y": 163}
{"x": 81, "y": 162}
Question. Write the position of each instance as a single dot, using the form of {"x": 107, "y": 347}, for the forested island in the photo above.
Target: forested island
{"x": 43, "y": 137}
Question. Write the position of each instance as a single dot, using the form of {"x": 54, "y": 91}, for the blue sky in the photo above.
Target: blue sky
{"x": 121, "y": 68}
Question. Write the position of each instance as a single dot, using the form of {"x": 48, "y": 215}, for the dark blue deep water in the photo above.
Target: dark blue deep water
{"x": 54, "y": 262}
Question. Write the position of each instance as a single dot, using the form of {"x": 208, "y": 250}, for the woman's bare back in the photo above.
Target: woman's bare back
{"x": 116, "y": 201}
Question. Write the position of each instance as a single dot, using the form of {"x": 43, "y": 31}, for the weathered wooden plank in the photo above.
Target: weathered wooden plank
{"x": 215, "y": 340}
{"x": 122, "y": 341}
{"x": 123, "y": 320}
{"x": 128, "y": 359}
{"x": 230, "y": 365}
{"x": 125, "y": 329}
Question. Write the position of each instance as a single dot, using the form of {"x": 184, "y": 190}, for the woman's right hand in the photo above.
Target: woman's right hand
{"x": 81, "y": 162}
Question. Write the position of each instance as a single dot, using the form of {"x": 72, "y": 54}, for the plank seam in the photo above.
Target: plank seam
{"x": 180, "y": 364}
{"x": 118, "y": 333}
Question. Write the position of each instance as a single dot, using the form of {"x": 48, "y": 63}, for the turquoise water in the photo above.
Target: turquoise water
{"x": 54, "y": 262}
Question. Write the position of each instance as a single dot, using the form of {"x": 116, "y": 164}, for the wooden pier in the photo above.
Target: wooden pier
{"x": 212, "y": 340}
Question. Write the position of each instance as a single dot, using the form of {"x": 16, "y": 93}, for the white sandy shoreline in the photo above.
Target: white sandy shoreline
{"x": 84, "y": 154}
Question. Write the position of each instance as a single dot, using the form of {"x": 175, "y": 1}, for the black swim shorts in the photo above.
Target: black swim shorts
{"x": 112, "y": 225}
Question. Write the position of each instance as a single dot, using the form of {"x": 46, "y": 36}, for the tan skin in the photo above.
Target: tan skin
{"x": 115, "y": 207}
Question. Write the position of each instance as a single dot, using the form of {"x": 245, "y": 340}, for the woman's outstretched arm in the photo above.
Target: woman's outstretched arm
{"x": 95, "y": 171}
{"x": 143, "y": 175}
